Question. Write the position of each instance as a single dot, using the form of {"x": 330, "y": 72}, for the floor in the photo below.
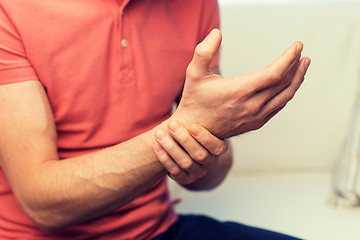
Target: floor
{"x": 295, "y": 203}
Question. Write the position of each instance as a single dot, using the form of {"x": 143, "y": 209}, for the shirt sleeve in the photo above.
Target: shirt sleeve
{"x": 210, "y": 19}
{"x": 14, "y": 65}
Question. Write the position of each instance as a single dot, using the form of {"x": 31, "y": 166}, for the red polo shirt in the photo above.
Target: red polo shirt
{"x": 112, "y": 70}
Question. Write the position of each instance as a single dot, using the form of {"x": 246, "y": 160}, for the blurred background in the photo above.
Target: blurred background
{"x": 283, "y": 174}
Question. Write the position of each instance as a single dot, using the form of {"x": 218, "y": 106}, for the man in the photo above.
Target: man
{"x": 86, "y": 95}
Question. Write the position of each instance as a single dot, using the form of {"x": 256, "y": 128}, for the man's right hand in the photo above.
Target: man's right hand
{"x": 231, "y": 106}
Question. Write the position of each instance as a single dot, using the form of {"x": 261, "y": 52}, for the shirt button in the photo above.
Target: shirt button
{"x": 124, "y": 43}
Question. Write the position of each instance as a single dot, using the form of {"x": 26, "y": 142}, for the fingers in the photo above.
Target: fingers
{"x": 276, "y": 71}
{"x": 175, "y": 160}
{"x": 271, "y": 100}
{"x": 292, "y": 54}
{"x": 287, "y": 93}
{"x": 203, "y": 55}
{"x": 213, "y": 144}
{"x": 195, "y": 149}
{"x": 265, "y": 95}
{"x": 174, "y": 171}
{"x": 269, "y": 116}
{"x": 183, "y": 156}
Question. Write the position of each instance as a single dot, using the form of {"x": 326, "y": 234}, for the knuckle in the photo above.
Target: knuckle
{"x": 258, "y": 106}
{"x": 187, "y": 165}
{"x": 183, "y": 138}
{"x": 254, "y": 108}
{"x": 171, "y": 148}
{"x": 251, "y": 110}
{"x": 162, "y": 159}
{"x": 191, "y": 71}
{"x": 275, "y": 76}
{"x": 216, "y": 152}
{"x": 174, "y": 171}
{"x": 201, "y": 156}
{"x": 289, "y": 96}
{"x": 221, "y": 150}
{"x": 241, "y": 93}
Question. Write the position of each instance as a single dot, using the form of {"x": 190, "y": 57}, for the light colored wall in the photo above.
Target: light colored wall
{"x": 311, "y": 130}
{"x": 307, "y": 134}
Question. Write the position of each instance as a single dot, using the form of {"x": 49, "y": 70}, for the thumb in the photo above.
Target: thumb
{"x": 204, "y": 54}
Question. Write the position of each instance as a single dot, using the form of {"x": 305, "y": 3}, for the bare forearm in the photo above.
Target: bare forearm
{"x": 89, "y": 186}
{"x": 215, "y": 176}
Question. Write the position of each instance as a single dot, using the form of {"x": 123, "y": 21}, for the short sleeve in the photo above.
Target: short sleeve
{"x": 210, "y": 19}
{"x": 14, "y": 65}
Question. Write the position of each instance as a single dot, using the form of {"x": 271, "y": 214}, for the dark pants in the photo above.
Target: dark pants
{"x": 198, "y": 227}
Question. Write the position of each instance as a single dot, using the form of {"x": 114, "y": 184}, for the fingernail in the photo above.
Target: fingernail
{"x": 307, "y": 63}
{"x": 174, "y": 126}
{"x": 213, "y": 35}
{"x": 299, "y": 48}
{"x": 160, "y": 135}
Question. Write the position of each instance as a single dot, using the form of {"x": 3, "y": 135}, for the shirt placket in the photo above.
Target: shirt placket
{"x": 126, "y": 70}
